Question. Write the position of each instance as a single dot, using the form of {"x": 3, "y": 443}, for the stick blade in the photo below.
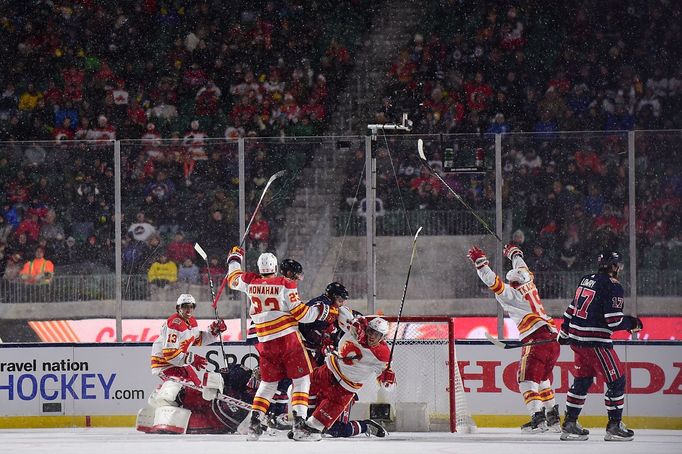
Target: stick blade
{"x": 418, "y": 230}
{"x": 200, "y": 251}
{"x": 495, "y": 342}
{"x": 420, "y": 149}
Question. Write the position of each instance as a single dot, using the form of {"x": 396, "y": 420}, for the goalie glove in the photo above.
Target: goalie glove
{"x": 236, "y": 254}
{"x": 477, "y": 257}
{"x": 387, "y": 378}
{"x": 217, "y": 327}
{"x": 196, "y": 361}
{"x": 511, "y": 250}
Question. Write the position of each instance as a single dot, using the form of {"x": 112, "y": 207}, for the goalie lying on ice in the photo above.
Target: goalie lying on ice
{"x": 217, "y": 407}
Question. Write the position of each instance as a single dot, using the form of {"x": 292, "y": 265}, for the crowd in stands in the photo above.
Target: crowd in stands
{"x": 509, "y": 67}
{"x": 168, "y": 74}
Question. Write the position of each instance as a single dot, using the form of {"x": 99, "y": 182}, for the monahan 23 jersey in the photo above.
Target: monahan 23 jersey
{"x": 356, "y": 364}
{"x": 523, "y": 304}
{"x": 177, "y": 335}
{"x": 275, "y": 306}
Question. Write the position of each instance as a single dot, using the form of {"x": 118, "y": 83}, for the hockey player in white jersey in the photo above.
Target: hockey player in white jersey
{"x": 276, "y": 310}
{"x": 362, "y": 356}
{"x": 521, "y": 300}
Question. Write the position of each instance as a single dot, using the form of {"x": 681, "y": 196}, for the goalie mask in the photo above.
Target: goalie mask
{"x": 518, "y": 276}
{"x": 185, "y": 305}
{"x": 267, "y": 263}
{"x": 377, "y": 330}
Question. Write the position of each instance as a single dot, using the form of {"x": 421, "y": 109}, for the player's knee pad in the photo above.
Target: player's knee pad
{"x": 616, "y": 388}
{"x": 171, "y": 420}
{"x": 267, "y": 389}
{"x": 301, "y": 383}
{"x": 213, "y": 384}
{"x": 166, "y": 395}
{"x": 581, "y": 385}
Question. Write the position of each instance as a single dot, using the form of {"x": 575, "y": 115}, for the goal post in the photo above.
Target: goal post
{"x": 427, "y": 372}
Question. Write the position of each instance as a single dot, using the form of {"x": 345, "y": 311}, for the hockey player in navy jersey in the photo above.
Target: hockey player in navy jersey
{"x": 594, "y": 314}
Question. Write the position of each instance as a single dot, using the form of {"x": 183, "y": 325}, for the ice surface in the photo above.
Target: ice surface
{"x": 496, "y": 441}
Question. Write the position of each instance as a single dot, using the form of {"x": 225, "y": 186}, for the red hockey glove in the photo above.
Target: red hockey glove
{"x": 328, "y": 350}
{"x": 359, "y": 324}
{"x": 236, "y": 254}
{"x": 196, "y": 361}
{"x": 217, "y": 327}
{"x": 387, "y": 378}
{"x": 328, "y": 313}
{"x": 511, "y": 250}
{"x": 477, "y": 256}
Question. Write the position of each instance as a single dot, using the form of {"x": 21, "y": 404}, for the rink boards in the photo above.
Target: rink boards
{"x": 66, "y": 385}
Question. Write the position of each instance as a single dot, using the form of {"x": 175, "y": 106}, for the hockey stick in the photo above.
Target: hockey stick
{"x": 236, "y": 403}
{"x": 420, "y": 149}
{"x": 204, "y": 256}
{"x": 402, "y": 300}
{"x": 506, "y": 346}
{"x": 246, "y": 231}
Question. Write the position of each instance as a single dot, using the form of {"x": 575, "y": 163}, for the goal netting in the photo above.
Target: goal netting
{"x": 428, "y": 377}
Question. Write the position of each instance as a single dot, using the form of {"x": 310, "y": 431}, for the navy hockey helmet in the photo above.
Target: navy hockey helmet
{"x": 288, "y": 266}
{"x": 608, "y": 258}
{"x": 336, "y": 289}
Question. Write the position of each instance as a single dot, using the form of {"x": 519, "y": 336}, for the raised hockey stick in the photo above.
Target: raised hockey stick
{"x": 422, "y": 157}
{"x": 402, "y": 300}
{"x": 506, "y": 346}
{"x": 246, "y": 231}
{"x": 204, "y": 256}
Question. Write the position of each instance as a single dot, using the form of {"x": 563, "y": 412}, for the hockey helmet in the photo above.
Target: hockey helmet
{"x": 607, "y": 259}
{"x": 291, "y": 269}
{"x": 267, "y": 263}
{"x": 377, "y": 330}
{"x": 185, "y": 298}
{"x": 336, "y": 289}
{"x": 518, "y": 276}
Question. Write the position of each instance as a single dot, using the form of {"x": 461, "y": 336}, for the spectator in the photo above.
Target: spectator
{"x": 260, "y": 229}
{"x": 499, "y": 125}
{"x": 188, "y": 273}
{"x": 179, "y": 250}
{"x": 39, "y": 270}
{"x": 215, "y": 268}
{"x": 161, "y": 275}
{"x": 141, "y": 229}
{"x": 5, "y": 229}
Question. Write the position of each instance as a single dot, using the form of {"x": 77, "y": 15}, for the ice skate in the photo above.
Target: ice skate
{"x": 255, "y": 427}
{"x": 374, "y": 428}
{"x": 571, "y": 430}
{"x": 617, "y": 431}
{"x": 537, "y": 423}
{"x": 553, "y": 419}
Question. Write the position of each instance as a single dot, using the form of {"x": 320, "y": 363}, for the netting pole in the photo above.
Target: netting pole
{"x": 452, "y": 389}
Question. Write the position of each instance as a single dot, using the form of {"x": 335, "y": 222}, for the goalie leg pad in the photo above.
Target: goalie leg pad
{"x": 171, "y": 420}
{"x": 166, "y": 395}
{"x": 213, "y": 384}
{"x": 145, "y": 419}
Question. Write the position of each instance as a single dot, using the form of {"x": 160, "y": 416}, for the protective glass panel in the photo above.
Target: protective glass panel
{"x": 566, "y": 195}
{"x": 57, "y": 198}
{"x": 176, "y": 193}
{"x": 452, "y": 196}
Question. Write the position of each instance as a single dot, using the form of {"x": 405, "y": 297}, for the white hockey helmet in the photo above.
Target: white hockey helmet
{"x": 518, "y": 276}
{"x": 267, "y": 263}
{"x": 379, "y": 325}
{"x": 185, "y": 298}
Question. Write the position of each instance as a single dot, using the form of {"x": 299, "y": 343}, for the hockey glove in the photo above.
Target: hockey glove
{"x": 387, "y": 378}
{"x": 328, "y": 313}
{"x": 562, "y": 338}
{"x": 511, "y": 250}
{"x": 217, "y": 327}
{"x": 236, "y": 254}
{"x": 196, "y": 361}
{"x": 636, "y": 324}
{"x": 477, "y": 257}
{"x": 359, "y": 325}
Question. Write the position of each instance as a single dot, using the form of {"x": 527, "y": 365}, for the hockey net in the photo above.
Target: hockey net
{"x": 425, "y": 363}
